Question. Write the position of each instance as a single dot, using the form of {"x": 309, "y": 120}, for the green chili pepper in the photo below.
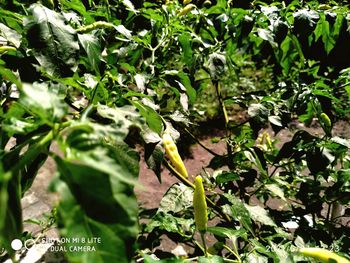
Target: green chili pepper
{"x": 323, "y": 255}
{"x": 186, "y": 9}
{"x": 200, "y": 205}
{"x": 173, "y": 154}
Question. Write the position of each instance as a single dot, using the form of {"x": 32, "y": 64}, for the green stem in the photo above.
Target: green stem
{"x": 201, "y": 144}
{"x": 233, "y": 252}
{"x": 204, "y": 243}
{"x": 33, "y": 151}
{"x": 224, "y": 111}
{"x": 96, "y": 25}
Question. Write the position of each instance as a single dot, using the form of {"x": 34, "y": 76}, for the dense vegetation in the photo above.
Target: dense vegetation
{"x": 98, "y": 78}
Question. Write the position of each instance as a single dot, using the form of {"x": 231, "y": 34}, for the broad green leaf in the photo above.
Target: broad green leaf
{"x": 120, "y": 164}
{"x": 154, "y": 156}
{"x": 186, "y": 82}
{"x": 341, "y": 141}
{"x": 42, "y": 101}
{"x": 8, "y": 74}
{"x": 276, "y": 190}
{"x": 15, "y": 126}
{"x": 185, "y": 42}
{"x": 178, "y": 198}
{"x": 75, "y": 5}
{"x": 309, "y": 16}
{"x": 152, "y": 117}
{"x": 276, "y": 120}
{"x": 11, "y": 226}
{"x": 232, "y": 234}
{"x": 92, "y": 48}
{"x": 211, "y": 259}
{"x": 239, "y": 212}
{"x": 323, "y": 30}
{"x": 129, "y": 5}
{"x": 308, "y": 115}
{"x": 53, "y": 42}
{"x": 258, "y": 112}
{"x": 172, "y": 224}
{"x": 259, "y": 214}
{"x": 267, "y": 36}
{"x": 87, "y": 210}
{"x": 10, "y": 35}
{"x": 123, "y": 118}
{"x": 226, "y": 177}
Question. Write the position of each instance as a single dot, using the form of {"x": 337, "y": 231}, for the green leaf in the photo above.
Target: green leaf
{"x": 10, "y": 35}
{"x": 226, "y": 177}
{"x": 43, "y": 102}
{"x": 341, "y": 141}
{"x": 154, "y": 156}
{"x": 185, "y": 43}
{"x": 308, "y": 115}
{"x": 309, "y": 17}
{"x": 113, "y": 234}
{"x": 267, "y": 36}
{"x": 152, "y": 117}
{"x": 239, "y": 212}
{"x": 129, "y": 5}
{"x": 259, "y": 214}
{"x": 190, "y": 91}
{"x": 53, "y": 42}
{"x": 151, "y": 259}
{"x": 172, "y": 224}
{"x": 232, "y": 234}
{"x": 11, "y": 226}
{"x": 275, "y": 189}
{"x": 210, "y": 259}
{"x": 276, "y": 120}
{"x": 178, "y": 198}
{"x": 258, "y": 112}
{"x": 75, "y": 5}
{"x": 92, "y": 48}
{"x": 123, "y": 118}
{"x": 322, "y": 29}
{"x": 8, "y": 74}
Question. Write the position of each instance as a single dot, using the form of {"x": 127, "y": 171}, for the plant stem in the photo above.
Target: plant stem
{"x": 204, "y": 243}
{"x": 232, "y": 252}
{"x": 224, "y": 111}
{"x": 33, "y": 151}
{"x": 201, "y": 144}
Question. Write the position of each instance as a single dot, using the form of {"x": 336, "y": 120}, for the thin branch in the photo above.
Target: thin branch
{"x": 201, "y": 144}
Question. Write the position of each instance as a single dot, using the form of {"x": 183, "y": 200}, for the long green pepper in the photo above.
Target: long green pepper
{"x": 200, "y": 205}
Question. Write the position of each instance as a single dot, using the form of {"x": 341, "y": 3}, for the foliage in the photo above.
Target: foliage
{"x": 95, "y": 78}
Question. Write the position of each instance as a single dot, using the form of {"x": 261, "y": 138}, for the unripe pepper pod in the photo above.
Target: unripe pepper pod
{"x": 323, "y": 255}
{"x": 200, "y": 205}
{"x": 326, "y": 123}
{"x": 173, "y": 154}
{"x": 186, "y": 9}
{"x": 326, "y": 120}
